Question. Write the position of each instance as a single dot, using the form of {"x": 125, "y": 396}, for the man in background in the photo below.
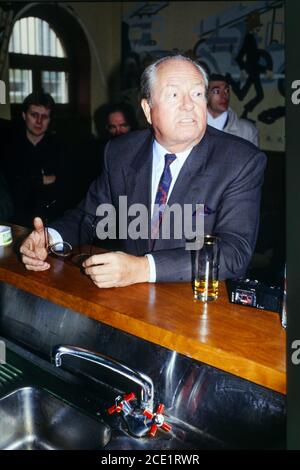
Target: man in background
{"x": 221, "y": 116}
{"x": 120, "y": 119}
{"x": 33, "y": 158}
{"x": 111, "y": 120}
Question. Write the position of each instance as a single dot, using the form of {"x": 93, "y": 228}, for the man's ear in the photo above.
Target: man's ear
{"x": 24, "y": 116}
{"x": 147, "y": 110}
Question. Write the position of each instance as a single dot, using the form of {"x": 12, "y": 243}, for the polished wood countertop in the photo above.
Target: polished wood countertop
{"x": 247, "y": 342}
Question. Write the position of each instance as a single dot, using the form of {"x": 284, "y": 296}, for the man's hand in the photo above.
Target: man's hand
{"x": 117, "y": 269}
{"x": 33, "y": 249}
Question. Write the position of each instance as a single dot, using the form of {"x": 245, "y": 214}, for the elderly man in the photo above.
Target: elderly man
{"x": 182, "y": 161}
{"x": 221, "y": 116}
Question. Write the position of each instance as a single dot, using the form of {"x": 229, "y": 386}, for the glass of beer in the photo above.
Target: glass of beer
{"x": 206, "y": 279}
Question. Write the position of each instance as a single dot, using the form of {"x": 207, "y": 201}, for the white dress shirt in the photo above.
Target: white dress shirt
{"x": 158, "y": 164}
{"x": 217, "y": 122}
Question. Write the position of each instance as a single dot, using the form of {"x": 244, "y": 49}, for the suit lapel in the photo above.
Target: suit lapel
{"x": 187, "y": 188}
{"x": 187, "y": 182}
{"x": 138, "y": 180}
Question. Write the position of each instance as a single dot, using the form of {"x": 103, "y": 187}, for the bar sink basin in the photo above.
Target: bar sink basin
{"x": 33, "y": 419}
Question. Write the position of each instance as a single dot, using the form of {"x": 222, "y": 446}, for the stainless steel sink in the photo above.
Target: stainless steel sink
{"x": 33, "y": 419}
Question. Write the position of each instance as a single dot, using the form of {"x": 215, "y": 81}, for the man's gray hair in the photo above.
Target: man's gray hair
{"x": 149, "y": 75}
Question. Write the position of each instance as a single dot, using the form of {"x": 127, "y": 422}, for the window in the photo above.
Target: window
{"x": 56, "y": 84}
{"x": 34, "y": 36}
{"x": 37, "y": 61}
{"x": 48, "y": 51}
{"x": 20, "y": 81}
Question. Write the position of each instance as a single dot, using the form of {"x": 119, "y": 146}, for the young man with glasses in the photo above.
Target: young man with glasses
{"x": 221, "y": 116}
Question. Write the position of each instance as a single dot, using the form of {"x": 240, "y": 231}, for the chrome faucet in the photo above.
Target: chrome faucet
{"x": 145, "y": 382}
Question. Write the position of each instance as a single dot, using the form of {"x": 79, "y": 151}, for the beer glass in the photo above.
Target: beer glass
{"x": 206, "y": 279}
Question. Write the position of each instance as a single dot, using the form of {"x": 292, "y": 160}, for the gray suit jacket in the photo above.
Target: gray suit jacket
{"x": 223, "y": 172}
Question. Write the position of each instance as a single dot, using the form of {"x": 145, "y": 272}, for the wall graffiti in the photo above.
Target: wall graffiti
{"x": 247, "y": 49}
{"x": 244, "y": 41}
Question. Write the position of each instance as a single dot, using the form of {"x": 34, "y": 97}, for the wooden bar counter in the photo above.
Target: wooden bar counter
{"x": 246, "y": 342}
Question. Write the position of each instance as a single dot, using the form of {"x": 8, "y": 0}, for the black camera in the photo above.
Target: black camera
{"x": 254, "y": 293}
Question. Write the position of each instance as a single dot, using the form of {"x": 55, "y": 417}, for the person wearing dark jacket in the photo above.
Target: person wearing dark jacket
{"x": 182, "y": 161}
{"x": 33, "y": 159}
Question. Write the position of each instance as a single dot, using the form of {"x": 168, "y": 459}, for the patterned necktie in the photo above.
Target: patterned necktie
{"x": 161, "y": 197}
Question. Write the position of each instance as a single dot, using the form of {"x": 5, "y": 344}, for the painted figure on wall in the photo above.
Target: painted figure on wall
{"x": 248, "y": 60}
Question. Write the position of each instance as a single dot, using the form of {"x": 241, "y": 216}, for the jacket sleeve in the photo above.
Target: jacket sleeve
{"x": 255, "y": 139}
{"x": 6, "y": 204}
{"x": 236, "y": 224}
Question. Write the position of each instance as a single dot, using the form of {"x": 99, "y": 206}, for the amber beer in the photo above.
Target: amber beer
{"x": 206, "y": 290}
{"x": 206, "y": 279}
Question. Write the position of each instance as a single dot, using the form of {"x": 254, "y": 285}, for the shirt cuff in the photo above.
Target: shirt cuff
{"x": 54, "y": 236}
{"x": 152, "y": 268}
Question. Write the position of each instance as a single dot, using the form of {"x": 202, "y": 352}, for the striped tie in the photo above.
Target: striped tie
{"x": 161, "y": 197}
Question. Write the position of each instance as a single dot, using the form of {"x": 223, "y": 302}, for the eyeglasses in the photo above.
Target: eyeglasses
{"x": 63, "y": 249}
{"x": 218, "y": 91}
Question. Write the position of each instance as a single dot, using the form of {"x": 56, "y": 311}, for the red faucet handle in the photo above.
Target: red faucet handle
{"x": 114, "y": 409}
{"x": 148, "y": 414}
{"x": 130, "y": 396}
{"x": 160, "y": 409}
{"x": 153, "y": 430}
{"x": 119, "y": 402}
{"x": 166, "y": 427}
{"x": 158, "y": 420}
{"x": 117, "y": 407}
